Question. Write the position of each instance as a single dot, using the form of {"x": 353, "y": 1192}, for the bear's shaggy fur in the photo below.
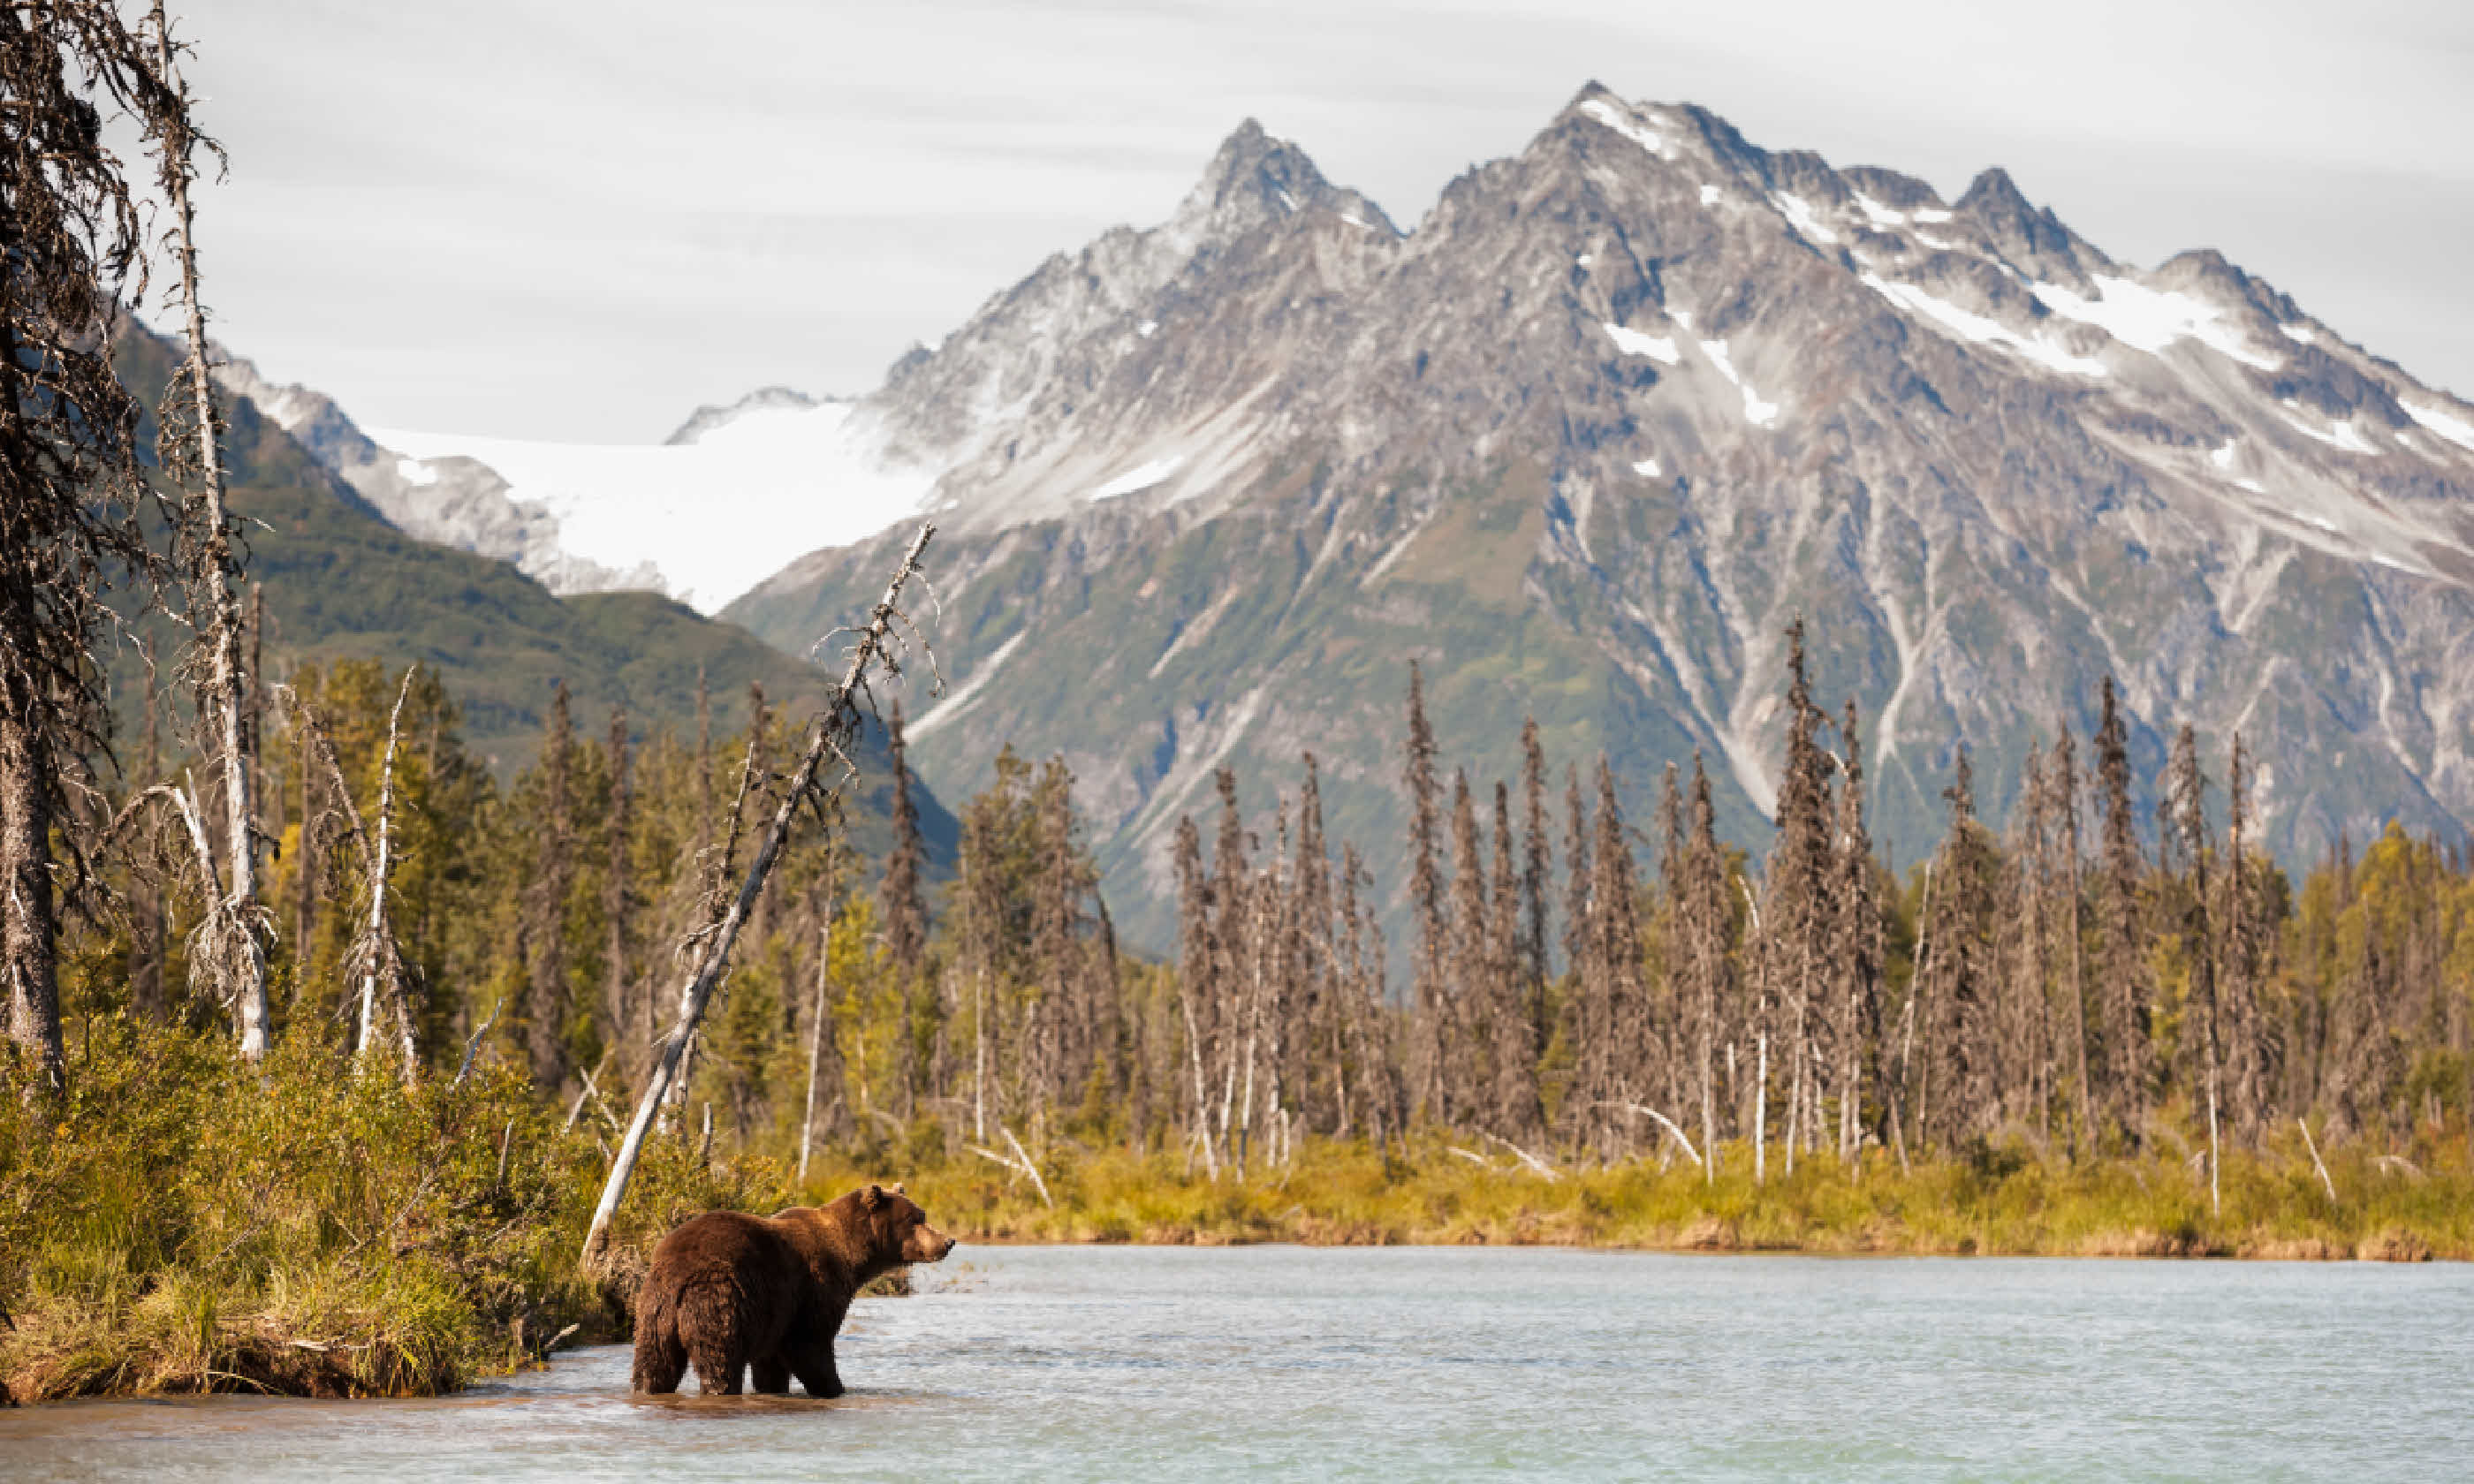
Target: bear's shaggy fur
{"x": 729, "y": 1290}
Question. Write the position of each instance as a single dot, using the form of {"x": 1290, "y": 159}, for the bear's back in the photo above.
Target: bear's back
{"x": 746, "y": 1250}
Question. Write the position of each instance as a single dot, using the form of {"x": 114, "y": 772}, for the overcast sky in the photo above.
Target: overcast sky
{"x": 577, "y": 221}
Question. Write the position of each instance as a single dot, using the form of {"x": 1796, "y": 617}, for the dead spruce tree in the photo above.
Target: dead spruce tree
{"x": 228, "y": 956}
{"x": 1197, "y": 989}
{"x": 71, "y": 492}
{"x": 544, "y": 921}
{"x": 374, "y": 961}
{"x": 1703, "y": 907}
{"x": 1427, "y": 1097}
{"x": 628, "y": 1029}
{"x": 2121, "y": 968}
{"x": 2186, "y": 788}
{"x": 833, "y": 732}
{"x": 902, "y": 907}
{"x": 1797, "y": 899}
{"x": 1855, "y": 950}
{"x": 1462, "y": 1016}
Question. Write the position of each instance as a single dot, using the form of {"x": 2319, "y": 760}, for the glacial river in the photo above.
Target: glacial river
{"x": 1151, "y": 1363}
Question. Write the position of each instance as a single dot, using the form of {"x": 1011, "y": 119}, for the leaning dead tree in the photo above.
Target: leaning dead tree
{"x": 190, "y": 445}
{"x": 836, "y": 727}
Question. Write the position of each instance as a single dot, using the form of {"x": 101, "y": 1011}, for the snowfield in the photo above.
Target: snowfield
{"x": 715, "y": 516}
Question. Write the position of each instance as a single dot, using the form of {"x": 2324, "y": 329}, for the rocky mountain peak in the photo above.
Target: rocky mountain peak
{"x": 1253, "y": 180}
{"x": 1619, "y": 408}
{"x": 2031, "y": 236}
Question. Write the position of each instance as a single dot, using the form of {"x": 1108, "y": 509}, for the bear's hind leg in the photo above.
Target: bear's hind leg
{"x": 771, "y": 1375}
{"x": 814, "y": 1366}
{"x": 659, "y": 1365}
{"x": 718, "y": 1369}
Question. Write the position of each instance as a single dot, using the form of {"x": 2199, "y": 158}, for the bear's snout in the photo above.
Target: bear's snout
{"x": 926, "y": 1244}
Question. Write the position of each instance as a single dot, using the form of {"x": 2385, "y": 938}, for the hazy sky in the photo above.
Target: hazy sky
{"x": 577, "y": 221}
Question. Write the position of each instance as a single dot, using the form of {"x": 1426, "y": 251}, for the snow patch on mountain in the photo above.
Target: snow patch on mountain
{"x": 1980, "y": 329}
{"x": 1800, "y": 215}
{"x": 2152, "y": 320}
{"x": 1632, "y": 126}
{"x": 716, "y": 516}
{"x": 960, "y": 701}
{"x": 1633, "y": 342}
{"x": 1758, "y": 411}
{"x": 1140, "y": 478}
{"x": 2456, "y": 430}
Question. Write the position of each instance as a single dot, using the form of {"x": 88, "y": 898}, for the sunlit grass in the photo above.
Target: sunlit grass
{"x": 187, "y": 1224}
{"x": 2005, "y": 1198}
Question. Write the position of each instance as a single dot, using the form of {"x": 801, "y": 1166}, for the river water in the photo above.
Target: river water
{"x": 1170, "y": 1363}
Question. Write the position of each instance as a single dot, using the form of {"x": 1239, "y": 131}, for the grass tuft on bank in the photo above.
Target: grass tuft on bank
{"x": 185, "y": 1223}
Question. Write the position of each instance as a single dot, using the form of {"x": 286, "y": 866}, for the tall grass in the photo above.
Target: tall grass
{"x": 183, "y": 1223}
{"x": 2000, "y": 1199}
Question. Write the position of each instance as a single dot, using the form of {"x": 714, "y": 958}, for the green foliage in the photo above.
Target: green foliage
{"x": 185, "y": 1223}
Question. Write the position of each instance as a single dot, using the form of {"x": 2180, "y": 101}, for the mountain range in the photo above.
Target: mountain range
{"x": 1586, "y": 439}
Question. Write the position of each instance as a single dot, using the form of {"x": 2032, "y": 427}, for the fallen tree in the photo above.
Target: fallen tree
{"x": 837, "y": 725}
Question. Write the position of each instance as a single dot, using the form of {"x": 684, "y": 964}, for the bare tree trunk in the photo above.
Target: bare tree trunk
{"x": 227, "y": 683}
{"x": 379, "y": 956}
{"x": 2216, "y": 1193}
{"x": 815, "y": 1047}
{"x": 1761, "y": 1110}
{"x": 29, "y": 923}
{"x": 374, "y": 956}
{"x": 146, "y": 925}
{"x": 837, "y": 724}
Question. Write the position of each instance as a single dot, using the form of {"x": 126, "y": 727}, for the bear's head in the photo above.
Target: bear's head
{"x": 898, "y": 1229}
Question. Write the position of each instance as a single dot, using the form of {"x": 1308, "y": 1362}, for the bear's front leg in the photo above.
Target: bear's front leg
{"x": 771, "y": 1374}
{"x": 815, "y": 1364}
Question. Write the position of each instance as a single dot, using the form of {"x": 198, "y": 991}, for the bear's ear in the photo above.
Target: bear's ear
{"x": 872, "y": 1197}
{"x": 900, "y": 1189}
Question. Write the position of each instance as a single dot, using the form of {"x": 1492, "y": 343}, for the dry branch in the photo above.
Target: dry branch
{"x": 1667, "y": 1123}
{"x": 1019, "y": 1162}
{"x": 1523, "y": 1155}
{"x": 2311, "y": 1144}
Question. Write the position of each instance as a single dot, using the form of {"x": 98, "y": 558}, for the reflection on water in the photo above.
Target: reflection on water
{"x": 1390, "y": 1363}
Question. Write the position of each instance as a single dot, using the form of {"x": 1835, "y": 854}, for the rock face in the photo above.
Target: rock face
{"x": 454, "y": 501}
{"x": 1587, "y": 440}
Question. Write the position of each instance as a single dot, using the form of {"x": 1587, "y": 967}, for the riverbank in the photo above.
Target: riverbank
{"x": 2005, "y": 1199}
{"x": 184, "y": 1225}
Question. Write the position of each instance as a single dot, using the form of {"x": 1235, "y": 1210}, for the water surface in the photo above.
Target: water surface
{"x": 1174, "y": 1363}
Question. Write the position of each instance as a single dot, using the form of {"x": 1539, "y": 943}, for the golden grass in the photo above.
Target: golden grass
{"x": 2005, "y": 1199}
{"x": 186, "y": 1223}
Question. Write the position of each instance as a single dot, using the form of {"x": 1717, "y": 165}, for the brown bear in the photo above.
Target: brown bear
{"x": 728, "y": 1290}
